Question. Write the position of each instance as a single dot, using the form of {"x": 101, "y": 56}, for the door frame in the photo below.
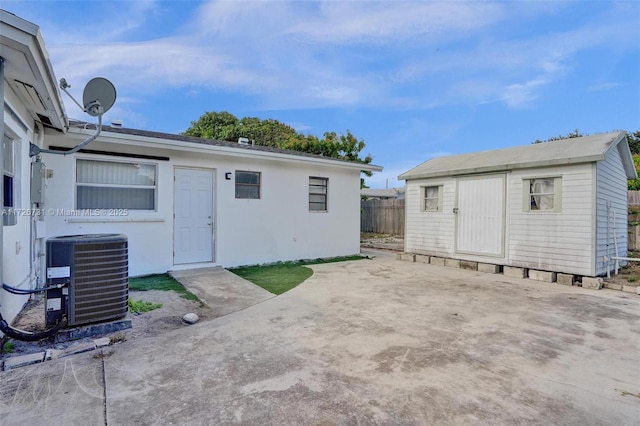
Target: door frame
{"x": 214, "y": 204}
{"x": 504, "y": 214}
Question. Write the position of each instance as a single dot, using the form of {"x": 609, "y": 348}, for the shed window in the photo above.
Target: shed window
{"x": 115, "y": 185}
{"x": 431, "y": 198}
{"x": 318, "y": 187}
{"x": 543, "y": 194}
{"x": 247, "y": 184}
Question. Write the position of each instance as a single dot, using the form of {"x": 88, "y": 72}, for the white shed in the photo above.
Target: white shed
{"x": 557, "y": 206}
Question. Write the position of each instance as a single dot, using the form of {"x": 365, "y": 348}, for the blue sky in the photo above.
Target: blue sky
{"x": 413, "y": 79}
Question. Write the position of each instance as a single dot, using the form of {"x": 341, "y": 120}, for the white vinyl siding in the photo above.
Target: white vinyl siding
{"x": 426, "y": 232}
{"x": 611, "y": 187}
{"x": 115, "y": 185}
{"x": 554, "y": 241}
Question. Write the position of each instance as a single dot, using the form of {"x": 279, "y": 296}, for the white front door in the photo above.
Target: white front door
{"x": 481, "y": 215}
{"x": 193, "y": 216}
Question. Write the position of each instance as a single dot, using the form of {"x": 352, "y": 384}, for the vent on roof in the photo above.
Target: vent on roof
{"x": 45, "y": 120}
{"x": 116, "y": 123}
{"x": 31, "y": 96}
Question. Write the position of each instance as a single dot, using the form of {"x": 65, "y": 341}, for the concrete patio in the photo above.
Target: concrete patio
{"x": 365, "y": 342}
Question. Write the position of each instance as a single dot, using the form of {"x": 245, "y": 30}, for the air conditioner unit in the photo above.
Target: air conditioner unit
{"x": 95, "y": 269}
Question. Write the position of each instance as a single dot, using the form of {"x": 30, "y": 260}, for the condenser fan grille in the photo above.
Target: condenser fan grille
{"x": 100, "y": 290}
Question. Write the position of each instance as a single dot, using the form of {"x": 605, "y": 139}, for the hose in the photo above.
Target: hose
{"x": 28, "y": 336}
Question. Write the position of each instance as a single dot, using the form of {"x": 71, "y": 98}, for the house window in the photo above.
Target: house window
{"x": 318, "y": 194}
{"x": 115, "y": 185}
{"x": 8, "y": 171}
{"x": 247, "y": 184}
{"x": 432, "y": 198}
{"x": 543, "y": 194}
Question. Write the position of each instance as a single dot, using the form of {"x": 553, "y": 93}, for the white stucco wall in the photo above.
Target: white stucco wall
{"x": 276, "y": 227}
{"x": 15, "y": 239}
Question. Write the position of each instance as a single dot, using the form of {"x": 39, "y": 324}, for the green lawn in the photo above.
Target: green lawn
{"x": 161, "y": 282}
{"x": 281, "y": 277}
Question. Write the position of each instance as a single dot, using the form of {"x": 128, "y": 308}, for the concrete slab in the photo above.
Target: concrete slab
{"x": 593, "y": 283}
{"x": 466, "y": 264}
{"x": 223, "y": 291}
{"x": 452, "y": 263}
{"x": 566, "y": 279}
{"x": 408, "y": 257}
{"x": 438, "y": 261}
{"x": 371, "y": 342}
{"x": 420, "y": 258}
{"x": 23, "y": 360}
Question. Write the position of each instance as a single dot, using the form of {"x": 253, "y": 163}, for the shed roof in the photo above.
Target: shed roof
{"x": 584, "y": 149}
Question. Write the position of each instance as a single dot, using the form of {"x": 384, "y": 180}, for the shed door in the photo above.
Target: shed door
{"x": 481, "y": 215}
{"x": 193, "y": 216}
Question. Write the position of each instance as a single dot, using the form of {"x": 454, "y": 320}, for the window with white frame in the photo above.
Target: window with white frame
{"x": 8, "y": 171}
{"x": 115, "y": 185}
{"x": 543, "y": 194}
{"x": 248, "y": 184}
{"x": 431, "y": 198}
{"x": 318, "y": 191}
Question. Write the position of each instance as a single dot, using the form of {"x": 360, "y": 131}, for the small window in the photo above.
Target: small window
{"x": 318, "y": 194}
{"x": 247, "y": 184}
{"x": 8, "y": 171}
{"x": 432, "y": 199}
{"x": 115, "y": 185}
{"x": 543, "y": 194}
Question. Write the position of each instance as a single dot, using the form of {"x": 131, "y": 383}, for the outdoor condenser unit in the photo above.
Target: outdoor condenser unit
{"x": 96, "y": 270}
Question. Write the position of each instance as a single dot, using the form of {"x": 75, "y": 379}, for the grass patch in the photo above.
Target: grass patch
{"x": 162, "y": 282}
{"x": 281, "y": 277}
{"x": 141, "y": 306}
{"x": 8, "y": 348}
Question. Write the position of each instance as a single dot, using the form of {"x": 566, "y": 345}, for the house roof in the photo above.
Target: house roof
{"x": 28, "y": 71}
{"x": 566, "y": 151}
{"x": 382, "y": 193}
{"x": 190, "y": 143}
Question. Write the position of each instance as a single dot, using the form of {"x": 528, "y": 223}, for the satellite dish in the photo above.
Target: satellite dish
{"x": 99, "y": 96}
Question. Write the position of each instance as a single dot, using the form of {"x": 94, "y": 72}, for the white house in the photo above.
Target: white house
{"x": 557, "y": 206}
{"x": 185, "y": 202}
{"x": 182, "y": 202}
{"x": 30, "y": 101}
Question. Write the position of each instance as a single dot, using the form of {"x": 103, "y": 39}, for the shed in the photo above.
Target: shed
{"x": 557, "y": 206}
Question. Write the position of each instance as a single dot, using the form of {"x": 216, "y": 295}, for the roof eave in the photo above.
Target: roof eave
{"x": 150, "y": 142}
{"x": 501, "y": 167}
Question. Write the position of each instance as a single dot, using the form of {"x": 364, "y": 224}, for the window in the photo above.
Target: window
{"x": 8, "y": 171}
{"x": 432, "y": 199}
{"x": 115, "y": 185}
{"x": 247, "y": 184}
{"x": 318, "y": 194}
{"x": 543, "y": 194}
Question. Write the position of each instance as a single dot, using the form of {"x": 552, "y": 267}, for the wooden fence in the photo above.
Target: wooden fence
{"x": 382, "y": 216}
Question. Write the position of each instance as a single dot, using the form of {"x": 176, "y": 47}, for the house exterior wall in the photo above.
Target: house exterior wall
{"x": 560, "y": 241}
{"x": 276, "y": 227}
{"x": 16, "y": 238}
{"x": 611, "y": 188}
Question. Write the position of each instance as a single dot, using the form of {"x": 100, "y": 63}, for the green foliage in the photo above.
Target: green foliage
{"x": 8, "y": 348}
{"x": 634, "y": 184}
{"x": 575, "y": 134}
{"x": 634, "y": 143}
{"x": 140, "y": 306}
{"x": 227, "y": 127}
{"x": 283, "y": 276}
{"x": 161, "y": 282}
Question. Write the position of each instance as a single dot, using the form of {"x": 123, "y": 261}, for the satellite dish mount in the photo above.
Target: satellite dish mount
{"x": 98, "y": 97}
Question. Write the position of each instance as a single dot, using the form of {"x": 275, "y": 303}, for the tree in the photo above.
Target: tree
{"x": 227, "y": 127}
{"x": 575, "y": 134}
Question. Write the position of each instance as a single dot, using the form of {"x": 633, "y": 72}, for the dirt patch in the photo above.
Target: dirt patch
{"x": 628, "y": 276}
{"x": 148, "y": 324}
{"x": 382, "y": 241}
